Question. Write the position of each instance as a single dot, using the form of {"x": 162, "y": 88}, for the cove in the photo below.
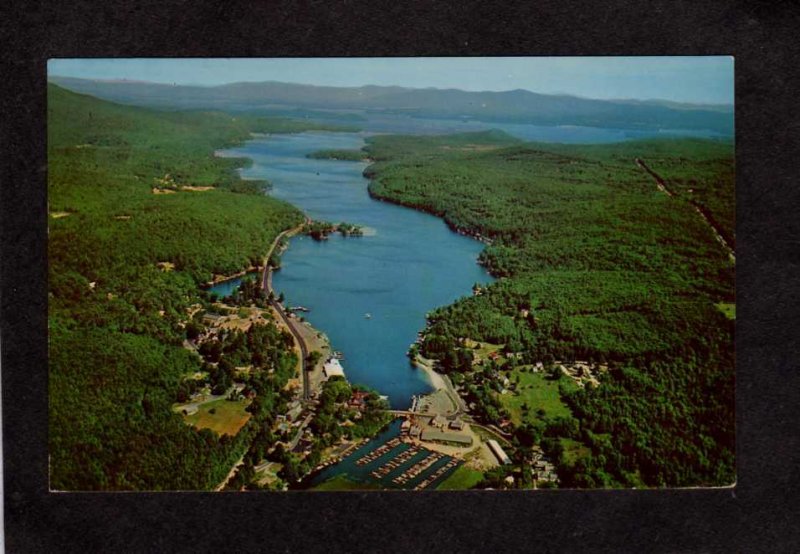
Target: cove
{"x": 368, "y": 294}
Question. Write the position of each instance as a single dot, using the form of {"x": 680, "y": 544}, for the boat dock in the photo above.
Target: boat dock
{"x": 395, "y": 462}
{"x": 436, "y": 474}
{"x": 378, "y": 452}
{"x": 417, "y": 468}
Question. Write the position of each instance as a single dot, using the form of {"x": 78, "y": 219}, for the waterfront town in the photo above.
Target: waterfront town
{"x": 436, "y": 434}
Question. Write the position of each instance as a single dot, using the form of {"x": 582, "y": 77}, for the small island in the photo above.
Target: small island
{"x": 320, "y": 230}
{"x": 341, "y": 155}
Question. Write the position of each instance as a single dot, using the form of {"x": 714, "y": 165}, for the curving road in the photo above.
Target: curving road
{"x": 266, "y": 284}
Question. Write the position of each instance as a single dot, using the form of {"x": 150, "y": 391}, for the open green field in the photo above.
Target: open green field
{"x": 229, "y": 416}
{"x": 536, "y": 391}
{"x": 463, "y": 478}
{"x": 484, "y": 349}
{"x": 342, "y": 483}
{"x": 574, "y": 451}
{"x": 728, "y": 308}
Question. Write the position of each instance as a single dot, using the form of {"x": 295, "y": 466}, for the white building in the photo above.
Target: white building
{"x": 498, "y": 452}
{"x": 332, "y": 368}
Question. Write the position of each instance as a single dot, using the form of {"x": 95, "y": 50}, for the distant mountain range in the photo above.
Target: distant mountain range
{"x": 515, "y": 106}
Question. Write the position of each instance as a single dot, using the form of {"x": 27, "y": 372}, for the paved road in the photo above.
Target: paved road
{"x": 662, "y": 186}
{"x": 266, "y": 284}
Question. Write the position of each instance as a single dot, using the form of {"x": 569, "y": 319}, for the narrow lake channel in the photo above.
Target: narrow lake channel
{"x": 368, "y": 294}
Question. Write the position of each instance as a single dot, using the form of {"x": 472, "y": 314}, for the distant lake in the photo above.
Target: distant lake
{"x": 368, "y": 294}
{"x": 568, "y": 134}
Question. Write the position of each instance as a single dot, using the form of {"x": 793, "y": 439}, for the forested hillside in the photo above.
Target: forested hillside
{"x": 599, "y": 266}
{"x": 141, "y": 213}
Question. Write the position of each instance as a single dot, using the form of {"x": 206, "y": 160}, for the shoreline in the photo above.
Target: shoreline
{"x": 435, "y": 379}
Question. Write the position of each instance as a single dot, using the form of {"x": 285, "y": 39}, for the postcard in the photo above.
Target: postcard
{"x": 391, "y": 273}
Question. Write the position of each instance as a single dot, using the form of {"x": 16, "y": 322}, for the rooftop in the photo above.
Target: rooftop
{"x": 332, "y": 368}
{"x": 446, "y": 436}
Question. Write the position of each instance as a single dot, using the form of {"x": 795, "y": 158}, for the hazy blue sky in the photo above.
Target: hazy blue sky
{"x": 685, "y": 79}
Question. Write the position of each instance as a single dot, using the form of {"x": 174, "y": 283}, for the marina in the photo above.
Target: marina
{"x": 378, "y": 452}
{"x": 417, "y": 468}
{"x": 389, "y": 461}
{"x": 395, "y": 462}
{"x": 438, "y": 473}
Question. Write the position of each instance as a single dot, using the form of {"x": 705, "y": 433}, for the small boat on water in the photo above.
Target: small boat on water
{"x": 338, "y": 355}
{"x": 368, "y": 315}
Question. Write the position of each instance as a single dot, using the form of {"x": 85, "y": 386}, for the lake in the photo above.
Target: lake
{"x": 368, "y": 294}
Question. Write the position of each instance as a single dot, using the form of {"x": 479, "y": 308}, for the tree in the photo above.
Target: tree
{"x": 313, "y": 358}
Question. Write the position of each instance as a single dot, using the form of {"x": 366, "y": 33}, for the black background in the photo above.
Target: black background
{"x": 758, "y": 515}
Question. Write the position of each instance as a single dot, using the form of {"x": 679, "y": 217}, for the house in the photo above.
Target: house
{"x": 211, "y": 318}
{"x": 457, "y": 424}
{"x": 358, "y": 399}
{"x": 332, "y": 368}
{"x": 295, "y": 409}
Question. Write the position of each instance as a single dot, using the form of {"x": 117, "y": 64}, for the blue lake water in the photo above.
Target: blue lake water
{"x": 225, "y": 288}
{"x": 568, "y": 134}
{"x": 408, "y": 264}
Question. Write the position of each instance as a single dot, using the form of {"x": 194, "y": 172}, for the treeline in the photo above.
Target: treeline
{"x": 124, "y": 265}
{"x": 597, "y": 265}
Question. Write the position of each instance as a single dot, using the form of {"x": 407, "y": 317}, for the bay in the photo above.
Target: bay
{"x": 368, "y": 294}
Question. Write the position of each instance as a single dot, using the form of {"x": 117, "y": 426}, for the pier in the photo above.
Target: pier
{"x": 378, "y": 452}
{"x": 417, "y": 468}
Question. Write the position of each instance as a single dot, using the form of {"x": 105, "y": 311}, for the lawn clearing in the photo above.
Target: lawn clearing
{"x": 484, "y": 349}
{"x": 728, "y": 309}
{"x": 229, "y": 416}
{"x": 342, "y": 483}
{"x": 462, "y": 479}
{"x": 538, "y": 392}
{"x": 574, "y": 451}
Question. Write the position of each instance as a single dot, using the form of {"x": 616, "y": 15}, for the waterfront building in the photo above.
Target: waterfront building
{"x": 459, "y": 439}
{"x": 457, "y": 424}
{"x": 332, "y": 368}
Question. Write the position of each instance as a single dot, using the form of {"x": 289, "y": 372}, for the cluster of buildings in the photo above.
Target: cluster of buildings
{"x": 543, "y": 470}
{"x": 437, "y": 429}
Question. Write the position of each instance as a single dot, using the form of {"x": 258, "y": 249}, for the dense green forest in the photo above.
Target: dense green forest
{"x": 596, "y": 264}
{"x": 141, "y": 213}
